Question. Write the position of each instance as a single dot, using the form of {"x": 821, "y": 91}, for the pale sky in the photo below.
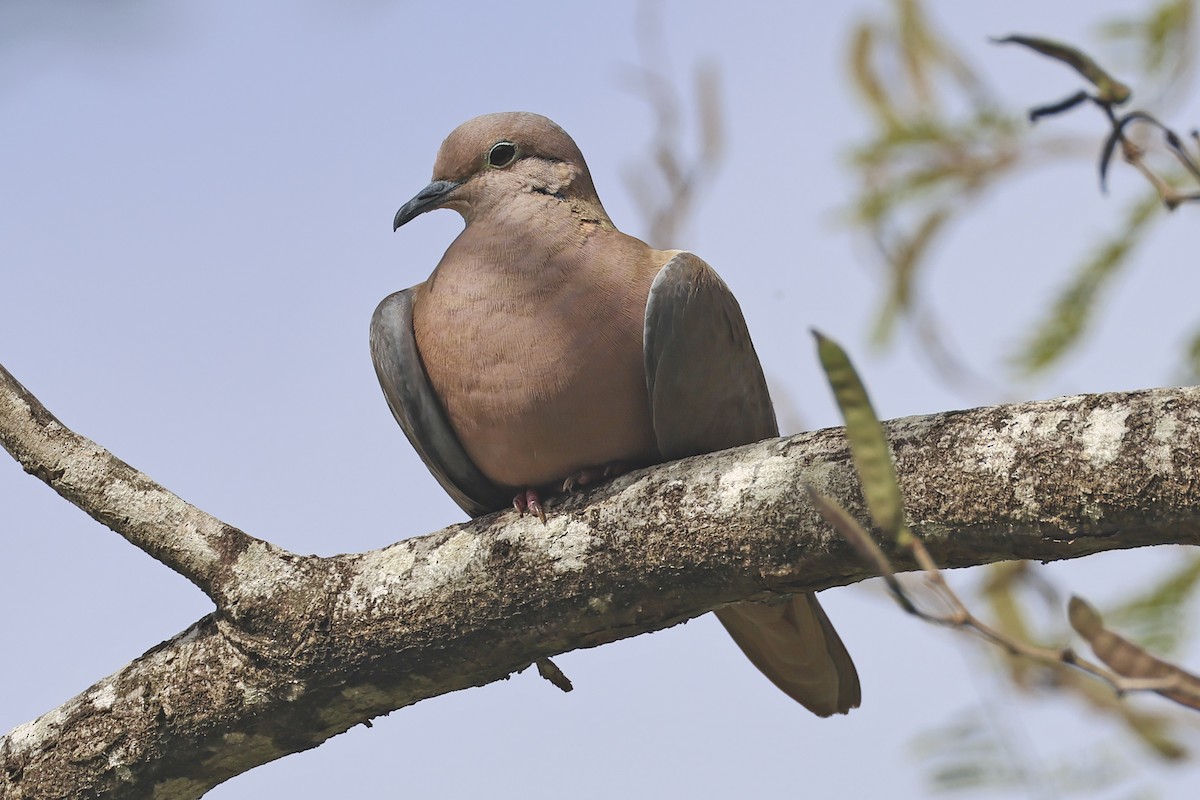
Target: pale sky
{"x": 196, "y": 218}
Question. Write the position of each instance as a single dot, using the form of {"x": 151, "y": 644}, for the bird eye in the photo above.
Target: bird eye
{"x": 502, "y": 154}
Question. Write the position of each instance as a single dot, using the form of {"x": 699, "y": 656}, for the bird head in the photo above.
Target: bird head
{"x": 490, "y": 160}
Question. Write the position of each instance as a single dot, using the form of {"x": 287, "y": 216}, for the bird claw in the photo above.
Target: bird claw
{"x": 529, "y": 501}
{"x": 588, "y": 476}
{"x": 573, "y": 482}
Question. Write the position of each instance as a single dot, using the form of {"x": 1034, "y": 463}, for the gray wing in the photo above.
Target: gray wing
{"x": 417, "y": 408}
{"x": 707, "y": 390}
{"x": 707, "y": 393}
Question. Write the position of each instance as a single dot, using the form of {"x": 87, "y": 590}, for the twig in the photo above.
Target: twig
{"x": 1132, "y": 668}
{"x": 193, "y": 543}
{"x": 1110, "y": 94}
{"x": 681, "y": 179}
{"x": 550, "y": 671}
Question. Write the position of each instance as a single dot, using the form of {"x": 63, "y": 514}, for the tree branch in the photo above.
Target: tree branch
{"x": 195, "y": 544}
{"x": 303, "y": 648}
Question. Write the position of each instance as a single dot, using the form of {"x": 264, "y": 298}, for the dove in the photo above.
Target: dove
{"x": 548, "y": 350}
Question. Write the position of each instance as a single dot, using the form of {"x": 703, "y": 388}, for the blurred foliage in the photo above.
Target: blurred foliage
{"x": 940, "y": 138}
{"x": 1007, "y": 592}
{"x": 1157, "y": 617}
{"x": 977, "y": 752}
{"x": 1072, "y": 310}
{"x": 1163, "y": 41}
{"x": 667, "y": 187}
{"x": 984, "y": 750}
{"x": 966, "y": 753}
{"x": 1191, "y": 366}
{"x": 1035, "y": 662}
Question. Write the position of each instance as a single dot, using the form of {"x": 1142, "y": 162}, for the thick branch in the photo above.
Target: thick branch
{"x": 298, "y": 655}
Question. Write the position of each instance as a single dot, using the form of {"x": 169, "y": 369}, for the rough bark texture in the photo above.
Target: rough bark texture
{"x": 302, "y": 648}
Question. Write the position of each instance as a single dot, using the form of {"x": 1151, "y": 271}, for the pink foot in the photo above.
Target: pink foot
{"x": 529, "y": 500}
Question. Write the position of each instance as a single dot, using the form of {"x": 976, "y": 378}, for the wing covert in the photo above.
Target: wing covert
{"x": 707, "y": 390}
{"x": 416, "y": 406}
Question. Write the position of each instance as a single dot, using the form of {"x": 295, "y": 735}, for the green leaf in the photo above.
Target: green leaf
{"x": 868, "y": 444}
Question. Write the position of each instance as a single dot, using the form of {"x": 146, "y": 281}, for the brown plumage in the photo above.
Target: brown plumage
{"x": 547, "y": 345}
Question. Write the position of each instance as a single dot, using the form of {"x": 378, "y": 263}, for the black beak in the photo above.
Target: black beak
{"x": 427, "y": 199}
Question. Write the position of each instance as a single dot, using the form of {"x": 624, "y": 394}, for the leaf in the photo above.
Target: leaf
{"x": 868, "y": 444}
{"x": 1009, "y": 617}
{"x": 904, "y": 262}
{"x": 862, "y": 70}
{"x": 1126, "y": 658}
{"x": 841, "y": 521}
{"x": 977, "y": 751}
{"x": 937, "y": 139}
{"x": 1109, "y": 89}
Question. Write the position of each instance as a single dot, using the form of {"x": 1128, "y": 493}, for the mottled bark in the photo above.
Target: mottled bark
{"x": 302, "y": 648}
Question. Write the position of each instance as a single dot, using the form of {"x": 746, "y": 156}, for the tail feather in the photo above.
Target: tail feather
{"x": 796, "y": 647}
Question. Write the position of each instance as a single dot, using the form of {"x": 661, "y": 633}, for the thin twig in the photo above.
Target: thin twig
{"x": 1176, "y": 685}
{"x": 550, "y": 671}
{"x": 1111, "y": 94}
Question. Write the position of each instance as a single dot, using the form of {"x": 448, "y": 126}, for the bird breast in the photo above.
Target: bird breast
{"x": 540, "y": 373}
